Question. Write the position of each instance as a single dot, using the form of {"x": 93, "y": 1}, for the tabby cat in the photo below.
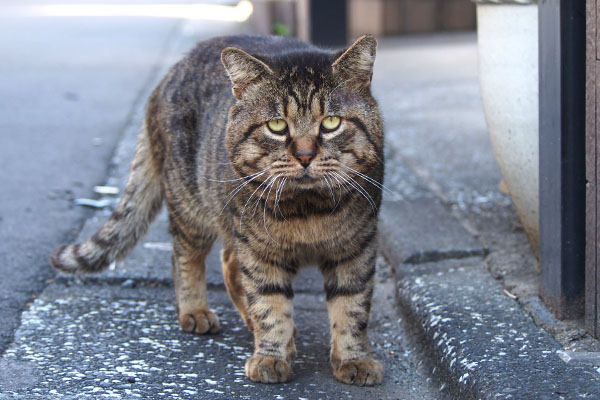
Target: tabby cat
{"x": 286, "y": 172}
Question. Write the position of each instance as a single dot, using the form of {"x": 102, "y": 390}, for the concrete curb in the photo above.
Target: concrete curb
{"x": 483, "y": 344}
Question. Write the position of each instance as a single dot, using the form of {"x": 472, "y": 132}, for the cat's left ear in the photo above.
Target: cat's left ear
{"x": 355, "y": 64}
{"x": 243, "y": 69}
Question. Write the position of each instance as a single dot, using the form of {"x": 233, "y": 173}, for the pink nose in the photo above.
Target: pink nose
{"x": 305, "y": 158}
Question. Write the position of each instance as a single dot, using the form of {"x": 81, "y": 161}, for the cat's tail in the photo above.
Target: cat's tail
{"x": 139, "y": 205}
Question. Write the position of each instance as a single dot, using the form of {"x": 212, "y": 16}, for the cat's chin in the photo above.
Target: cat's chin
{"x": 305, "y": 179}
{"x": 308, "y": 182}
{"x": 305, "y": 182}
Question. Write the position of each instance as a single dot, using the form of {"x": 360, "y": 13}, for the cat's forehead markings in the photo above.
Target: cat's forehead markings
{"x": 293, "y": 97}
{"x": 290, "y": 106}
{"x": 292, "y": 73}
{"x": 311, "y": 96}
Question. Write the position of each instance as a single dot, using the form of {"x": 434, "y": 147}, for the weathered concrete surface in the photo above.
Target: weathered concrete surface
{"x": 98, "y": 339}
{"x": 485, "y": 342}
{"x": 417, "y": 231}
{"x": 108, "y": 339}
{"x": 93, "y": 337}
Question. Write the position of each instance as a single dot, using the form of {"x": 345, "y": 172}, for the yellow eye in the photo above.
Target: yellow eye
{"x": 277, "y": 125}
{"x": 331, "y": 123}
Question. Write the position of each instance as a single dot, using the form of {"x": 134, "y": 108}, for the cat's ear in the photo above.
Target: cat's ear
{"x": 355, "y": 64}
{"x": 243, "y": 69}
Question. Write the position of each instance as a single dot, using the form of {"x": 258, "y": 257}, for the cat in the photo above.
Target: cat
{"x": 276, "y": 147}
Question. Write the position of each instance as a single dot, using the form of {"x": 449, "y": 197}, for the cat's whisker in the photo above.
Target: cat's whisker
{"x": 324, "y": 177}
{"x": 250, "y": 197}
{"x": 341, "y": 182}
{"x": 241, "y": 185}
{"x": 339, "y": 188}
{"x": 259, "y": 198}
{"x": 332, "y": 191}
{"x": 329, "y": 187}
{"x": 237, "y": 179}
{"x": 365, "y": 193}
{"x": 371, "y": 180}
{"x": 265, "y": 209}
{"x": 352, "y": 182}
{"x": 277, "y": 195}
{"x": 337, "y": 185}
{"x": 235, "y": 191}
{"x": 285, "y": 180}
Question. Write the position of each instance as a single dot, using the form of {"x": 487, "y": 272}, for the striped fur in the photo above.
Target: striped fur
{"x": 277, "y": 200}
{"x": 141, "y": 202}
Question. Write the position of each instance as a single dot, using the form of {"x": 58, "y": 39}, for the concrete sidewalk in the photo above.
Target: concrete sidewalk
{"x": 441, "y": 323}
{"x": 464, "y": 271}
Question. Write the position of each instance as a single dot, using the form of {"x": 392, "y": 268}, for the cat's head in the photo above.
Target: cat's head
{"x": 304, "y": 115}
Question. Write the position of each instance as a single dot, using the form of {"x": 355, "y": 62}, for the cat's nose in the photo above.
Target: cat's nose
{"x": 304, "y": 150}
{"x": 305, "y": 157}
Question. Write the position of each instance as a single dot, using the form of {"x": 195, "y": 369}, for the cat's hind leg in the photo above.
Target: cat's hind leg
{"x": 189, "y": 275}
{"x": 233, "y": 283}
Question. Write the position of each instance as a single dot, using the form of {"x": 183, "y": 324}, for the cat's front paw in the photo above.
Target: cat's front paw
{"x": 200, "y": 322}
{"x": 267, "y": 369}
{"x": 359, "y": 372}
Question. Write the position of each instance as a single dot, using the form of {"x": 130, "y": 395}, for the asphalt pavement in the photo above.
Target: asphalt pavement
{"x": 68, "y": 87}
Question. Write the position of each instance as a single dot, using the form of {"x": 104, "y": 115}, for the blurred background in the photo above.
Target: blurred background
{"x": 323, "y": 22}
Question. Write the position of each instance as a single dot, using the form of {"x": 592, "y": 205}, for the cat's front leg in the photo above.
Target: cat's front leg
{"x": 349, "y": 289}
{"x": 189, "y": 277}
{"x": 269, "y": 290}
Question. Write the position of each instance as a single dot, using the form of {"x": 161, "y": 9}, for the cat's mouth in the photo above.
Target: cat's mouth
{"x": 305, "y": 178}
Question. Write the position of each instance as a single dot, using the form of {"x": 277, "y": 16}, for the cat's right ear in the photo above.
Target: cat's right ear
{"x": 243, "y": 69}
{"x": 355, "y": 65}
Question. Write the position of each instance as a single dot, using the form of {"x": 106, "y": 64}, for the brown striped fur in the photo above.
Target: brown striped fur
{"x": 277, "y": 200}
